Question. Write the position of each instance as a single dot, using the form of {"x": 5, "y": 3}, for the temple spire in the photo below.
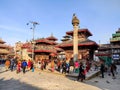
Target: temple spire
{"x": 75, "y": 20}
{"x": 51, "y": 34}
{"x": 74, "y": 15}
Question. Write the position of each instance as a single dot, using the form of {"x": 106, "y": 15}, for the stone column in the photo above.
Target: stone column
{"x": 75, "y": 23}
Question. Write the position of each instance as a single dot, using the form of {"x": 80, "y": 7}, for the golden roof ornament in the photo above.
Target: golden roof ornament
{"x": 75, "y": 20}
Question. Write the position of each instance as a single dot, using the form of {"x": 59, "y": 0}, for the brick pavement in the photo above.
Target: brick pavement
{"x": 39, "y": 80}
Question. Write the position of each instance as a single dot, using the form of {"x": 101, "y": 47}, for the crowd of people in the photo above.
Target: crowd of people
{"x": 110, "y": 69}
{"x": 18, "y": 65}
{"x": 82, "y": 67}
{"x": 63, "y": 66}
{"x": 66, "y": 66}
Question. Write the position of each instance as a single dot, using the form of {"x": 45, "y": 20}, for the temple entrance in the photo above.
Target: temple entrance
{"x": 41, "y": 56}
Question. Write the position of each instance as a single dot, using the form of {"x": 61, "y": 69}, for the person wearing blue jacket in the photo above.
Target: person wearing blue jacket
{"x": 24, "y": 65}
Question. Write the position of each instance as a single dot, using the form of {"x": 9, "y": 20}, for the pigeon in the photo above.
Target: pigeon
{"x": 107, "y": 81}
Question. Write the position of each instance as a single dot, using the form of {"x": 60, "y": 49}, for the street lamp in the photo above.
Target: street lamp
{"x": 33, "y": 31}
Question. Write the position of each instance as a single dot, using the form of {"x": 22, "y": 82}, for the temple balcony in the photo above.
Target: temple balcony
{"x": 116, "y": 35}
{"x": 4, "y": 51}
{"x": 114, "y": 39}
{"x": 105, "y": 53}
{"x": 115, "y": 46}
{"x": 45, "y": 48}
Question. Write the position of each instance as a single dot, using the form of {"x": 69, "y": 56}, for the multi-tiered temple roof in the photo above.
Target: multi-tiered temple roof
{"x": 115, "y": 37}
{"x": 83, "y": 40}
{"x": 85, "y": 31}
{"x": 43, "y": 47}
{"x": 4, "y": 49}
{"x": 52, "y": 38}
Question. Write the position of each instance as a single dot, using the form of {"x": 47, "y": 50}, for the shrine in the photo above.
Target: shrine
{"x": 76, "y": 42}
{"x": 4, "y": 49}
{"x": 115, "y": 46}
{"x": 44, "y": 48}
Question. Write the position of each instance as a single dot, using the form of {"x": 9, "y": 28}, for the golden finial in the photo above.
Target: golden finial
{"x": 75, "y": 20}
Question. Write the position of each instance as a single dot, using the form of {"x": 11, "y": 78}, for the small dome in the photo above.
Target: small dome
{"x": 75, "y": 20}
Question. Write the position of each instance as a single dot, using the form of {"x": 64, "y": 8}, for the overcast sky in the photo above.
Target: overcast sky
{"x": 101, "y": 17}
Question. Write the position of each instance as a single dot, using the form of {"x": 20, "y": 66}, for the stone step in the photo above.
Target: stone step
{"x": 89, "y": 75}
{"x": 92, "y": 75}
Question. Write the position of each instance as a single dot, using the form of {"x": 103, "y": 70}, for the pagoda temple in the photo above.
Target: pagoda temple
{"x": 18, "y": 49}
{"x": 115, "y": 46}
{"x": 103, "y": 50}
{"x": 24, "y": 50}
{"x": 104, "y": 53}
{"x": 86, "y": 47}
{"x": 4, "y": 49}
{"x": 44, "y": 48}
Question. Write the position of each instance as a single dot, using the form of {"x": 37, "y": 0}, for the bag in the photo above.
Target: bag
{"x": 61, "y": 70}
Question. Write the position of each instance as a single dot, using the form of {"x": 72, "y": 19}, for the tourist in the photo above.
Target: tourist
{"x": 32, "y": 67}
{"x": 58, "y": 65}
{"x": 102, "y": 69}
{"x": 45, "y": 63}
{"x": 76, "y": 65}
{"x": 81, "y": 74}
{"x": 12, "y": 63}
{"x": 64, "y": 67}
{"x": 42, "y": 64}
{"x": 71, "y": 62}
{"x": 18, "y": 69}
{"x": 29, "y": 64}
{"x": 24, "y": 65}
{"x": 88, "y": 66}
{"x": 52, "y": 65}
{"x": 67, "y": 67}
{"x": 113, "y": 70}
{"x": 39, "y": 64}
{"x": 61, "y": 68}
{"x": 96, "y": 67}
{"x": 7, "y": 64}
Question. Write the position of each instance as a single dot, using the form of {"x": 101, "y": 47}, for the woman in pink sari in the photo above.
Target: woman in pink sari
{"x": 76, "y": 65}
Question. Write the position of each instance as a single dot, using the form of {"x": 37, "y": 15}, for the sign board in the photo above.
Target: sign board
{"x": 116, "y": 56}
